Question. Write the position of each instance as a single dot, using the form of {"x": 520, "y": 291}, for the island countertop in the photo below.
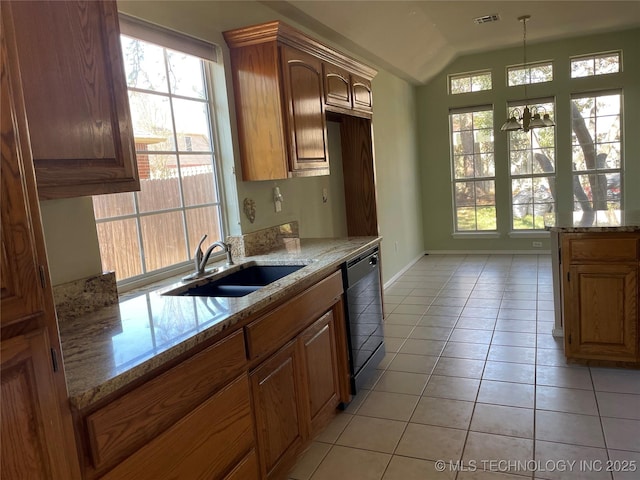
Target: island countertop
{"x": 601, "y": 221}
{"x": 112, "y": 347}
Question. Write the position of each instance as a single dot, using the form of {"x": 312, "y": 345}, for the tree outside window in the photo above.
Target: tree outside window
{"x": 597, "y": 158}
{"x": 473, "y": 164}
{"x": 532, "y": 161}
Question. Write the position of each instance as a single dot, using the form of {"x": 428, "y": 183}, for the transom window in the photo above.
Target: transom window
{"x": 159, "y": 227}
{"x": 469, "y": 82}
{"x": 532, "y": 161}
{"x": 598, "y": 64}
{"x": 597, "y": 158}
{"x": 530, "y": 73}
{"x": 473, "y": 166}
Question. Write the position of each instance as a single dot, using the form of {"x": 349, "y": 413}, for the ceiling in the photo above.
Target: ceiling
{"x": 417, "y": 39}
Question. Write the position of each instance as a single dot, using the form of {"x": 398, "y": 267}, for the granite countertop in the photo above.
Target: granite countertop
{"x": 107, "y": 349}
{"x": 605, "y": 221}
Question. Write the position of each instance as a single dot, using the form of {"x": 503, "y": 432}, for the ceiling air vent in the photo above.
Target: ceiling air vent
{"x": 486, "y": 19}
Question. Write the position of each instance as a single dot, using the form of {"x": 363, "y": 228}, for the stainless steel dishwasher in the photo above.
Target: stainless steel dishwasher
{"x": 364, "y": 316}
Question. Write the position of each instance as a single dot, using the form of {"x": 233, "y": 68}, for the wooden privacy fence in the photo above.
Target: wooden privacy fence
{"x": 163, "y": 234}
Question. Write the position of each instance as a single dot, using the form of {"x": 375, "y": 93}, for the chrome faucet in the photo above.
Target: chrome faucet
{"x": 200, "y": 259}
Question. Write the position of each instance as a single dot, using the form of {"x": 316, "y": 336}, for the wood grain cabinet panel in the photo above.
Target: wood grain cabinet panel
{"x": 337, "y": 86}
{"x": 277, "y": 403}
{"x": 37, "y": 436}
{"x": 266, "y": 334}
{"x": 21, "y": 291}
{"x": 75, "y": 96}
{"x": 30, "y": 418}
{"x": 603, "y": 319}
{"x": 126, "y": 424}
{"x": 362, "y": 94}
{"x": 600, "y": 294}
{"x": 320, "y": 359}
{"x": 283, "y": 80}
{"x": 307, "y": 128}
{"x": 207, "y": 444}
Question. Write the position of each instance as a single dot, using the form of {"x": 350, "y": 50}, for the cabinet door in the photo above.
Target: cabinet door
{"x": 362, "y": 95}
{"x": 602, "y": 312}
{"x": 20, "y": 280}
{"x": 337, "y": 86}
{"x": 319, "y": 357}
{"x": 31, "y": 421}
{"x": 276, "y": 401}
{"x": 306, "y": 124}
{"x": 75, "y": 96}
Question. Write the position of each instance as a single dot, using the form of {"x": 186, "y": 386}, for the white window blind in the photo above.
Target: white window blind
{"x": 167, "y": 38}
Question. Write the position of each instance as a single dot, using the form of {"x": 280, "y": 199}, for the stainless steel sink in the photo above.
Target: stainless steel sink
{"x": 237, "y": 283}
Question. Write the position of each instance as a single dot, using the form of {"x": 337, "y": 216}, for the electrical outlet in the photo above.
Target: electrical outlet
{"x": 537, "y": 244}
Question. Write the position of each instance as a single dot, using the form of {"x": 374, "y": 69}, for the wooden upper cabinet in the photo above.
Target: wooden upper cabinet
{"x": 283, "y": 83}
{"x": 361, "y": 93}
{"x": 307, "y": 127}
{"x": 75, "y": 96}
{"x": 337, "y": 86}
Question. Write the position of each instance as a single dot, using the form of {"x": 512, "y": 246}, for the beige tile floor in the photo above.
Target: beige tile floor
{"x": 473, "y": 377}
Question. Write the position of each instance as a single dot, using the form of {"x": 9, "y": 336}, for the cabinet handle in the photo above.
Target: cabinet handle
{"x": 54, "y": 360}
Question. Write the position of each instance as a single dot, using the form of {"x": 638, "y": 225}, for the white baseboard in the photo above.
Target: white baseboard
{"x": 488, "y": 252}
{"x": 401, "y": 272}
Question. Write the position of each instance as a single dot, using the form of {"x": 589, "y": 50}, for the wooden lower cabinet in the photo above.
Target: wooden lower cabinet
{"x": 320, "y": 370}
{"x": 600, "y": 296}
{"x": 277, "y": 403}
{"x": 295, "y": 393}
{"x": 208, "y": 443}
{"x": 31, "y": 423}
{"x": 603, "y": 318}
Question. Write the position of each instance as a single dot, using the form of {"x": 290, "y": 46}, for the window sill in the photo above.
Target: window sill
{"x": 529, "y": 234}
{"x": 476, "y": 235}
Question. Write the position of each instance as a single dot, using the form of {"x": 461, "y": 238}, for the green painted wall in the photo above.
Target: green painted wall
{"x": 433, "y": 110}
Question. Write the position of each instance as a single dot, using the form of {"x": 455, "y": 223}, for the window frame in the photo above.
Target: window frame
{"x": 519, "y": 104}
{"x": 470, "y": 75}
{"x": 206, "y": 53}
{"x": 620, "y": 170}
{"x": 594, "y": 57}
{"x": 528, "y": 66}
{"x": 474, "y": 179}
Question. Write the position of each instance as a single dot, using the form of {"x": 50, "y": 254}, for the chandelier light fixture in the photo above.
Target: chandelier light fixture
{"x": 528, "y": 119}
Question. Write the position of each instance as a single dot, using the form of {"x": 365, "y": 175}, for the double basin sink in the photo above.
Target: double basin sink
{"x": 235, "y": 283}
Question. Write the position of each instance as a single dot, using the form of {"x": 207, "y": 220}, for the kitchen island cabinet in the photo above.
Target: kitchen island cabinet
{"x": 75, "y": 96}
{"x": 599, "y": 291}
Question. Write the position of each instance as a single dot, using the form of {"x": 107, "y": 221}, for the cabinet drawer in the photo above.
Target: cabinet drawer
{"x": 270, "y": 332}
{"x": 128, "y": 423}
{"x": 603, "y": 249}
{"x": 204, "y": 444}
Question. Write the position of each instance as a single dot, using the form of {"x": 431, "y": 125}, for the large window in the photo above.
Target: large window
{"x": 159, "y": 227}
{"x": 473, "y": 165}
{"x": 597, "y": 158}
{"x": 532, "y": 161}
